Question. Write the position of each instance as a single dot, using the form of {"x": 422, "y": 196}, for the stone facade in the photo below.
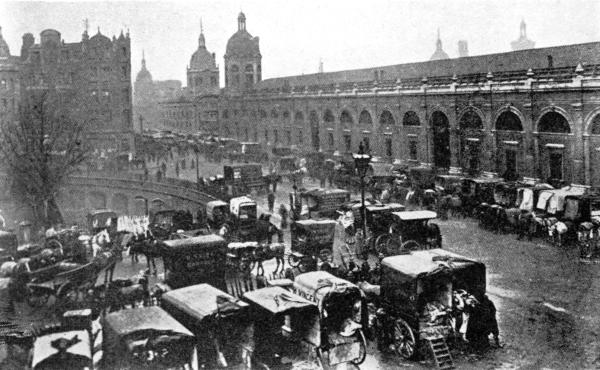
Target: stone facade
{"x": 9, "y": 84}
{"x": 243, "y": 68}
{"x": 530, "y": 113}
{"x": 97, "y": 68}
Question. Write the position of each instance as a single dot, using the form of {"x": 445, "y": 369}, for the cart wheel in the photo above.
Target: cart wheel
{"x": 381, "y": 243}
{"x": 411, "y": 245}
{"x": 67, "y": 294}
{"x": 293, "y": 261}
{"x": 404, "y": 339}
{"x": 362, "y": 355}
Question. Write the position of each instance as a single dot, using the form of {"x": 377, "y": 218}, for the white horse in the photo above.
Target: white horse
{"x": 99, "y": 242}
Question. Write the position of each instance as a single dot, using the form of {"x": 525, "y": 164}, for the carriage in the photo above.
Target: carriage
{"x": 195, "y": 260}
{"x": 336, "y": 331}
{"x": 409, "y": 230}
{"x": 422, "y": 177}
{"x": 284, "y": 317}
{"x": 416, "y": 300}
{"x": 321, "y": 203}
{"x": 447, "y": 184}
{"x": 243, "y": 213}
{"x": 582, "y": 218}
{"x": 166, "y": 222}
{"x": 312, "y": 243}
{"x": 220, "y": 322}
{"x": 217, "y": 213}
{"x": 102, "y": 219}
{"x": 244, "y": 178}
{"x": 69, "y": 282}
{"x": 240, "y": 255}
{"x": 147, "y": 337}
{"x": 477, "y": 191}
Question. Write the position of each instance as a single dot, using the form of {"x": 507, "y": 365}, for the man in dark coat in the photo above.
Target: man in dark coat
{"x": 271, "y": 200}
{"x": 482, "y": 322}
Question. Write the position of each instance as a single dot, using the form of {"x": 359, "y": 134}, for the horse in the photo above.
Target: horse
{"x": 99, "y": 242}
{"x": 266, "y": 252}
{"x": 147, "y": 247}
{"x": 557, "y": 230}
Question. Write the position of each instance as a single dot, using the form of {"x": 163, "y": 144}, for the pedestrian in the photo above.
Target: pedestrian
{"x": 359, "y": 244}
{"x": 274, "y": 180}
{"x": 322, "y": 179}
{"x": 492, "y": 321}
{"x": 271, "y": 200}
{"x": 158, "y": 175}
{"x": 283, "y": 213}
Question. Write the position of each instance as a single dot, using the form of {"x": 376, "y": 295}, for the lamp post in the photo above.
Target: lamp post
{"x": 361, "y": 162}
{"x": 197, "y": 151}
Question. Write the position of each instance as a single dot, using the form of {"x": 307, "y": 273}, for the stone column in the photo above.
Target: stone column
{"x": 586, "y": 159}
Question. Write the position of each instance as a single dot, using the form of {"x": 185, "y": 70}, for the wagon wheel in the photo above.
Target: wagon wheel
{"x": 54, "y": 244}
{"x": 411, "y": 245}
{"x": 293, "y": 261}
{"x": 381, "y": 243}
{"x": 67, "y": 294}
{"x": 362, "y": 355}
{"x": 404, "y": 339}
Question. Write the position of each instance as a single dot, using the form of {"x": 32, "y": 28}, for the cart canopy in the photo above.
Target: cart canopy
{"x": 427, "y": 262}
{"x": 319, "y": 284}
{"x": 241, "y": 245}
{"x": 142, "y": 320}
{"x": 203, "y": 301}
{"x": 557, "y": 201}
{"x": 384, "y": 208}
{"x": 415, "y": 215}
{"x": 203, "y": 241}
{"x": 210, "y": 206}
{"x": 79, "y": 350}
{"x": 277, "y": 300}
{"x": 236, "y": 203}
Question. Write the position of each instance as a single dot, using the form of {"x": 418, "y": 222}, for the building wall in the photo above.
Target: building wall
{"x": 96, "y": 68}
{"x": 9, "y": 89}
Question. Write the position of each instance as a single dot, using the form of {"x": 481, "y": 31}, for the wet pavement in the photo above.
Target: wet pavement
{"x": 547, "y": 301}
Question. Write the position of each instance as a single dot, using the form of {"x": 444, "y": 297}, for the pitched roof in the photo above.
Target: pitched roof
{"x": 562, "y": 56}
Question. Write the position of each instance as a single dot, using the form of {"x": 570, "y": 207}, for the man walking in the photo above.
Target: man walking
{"x": 271, "y": 200}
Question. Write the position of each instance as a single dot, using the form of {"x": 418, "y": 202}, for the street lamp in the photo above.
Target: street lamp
{"x": 197, "y": 151}
{"x": 361, "y": 162}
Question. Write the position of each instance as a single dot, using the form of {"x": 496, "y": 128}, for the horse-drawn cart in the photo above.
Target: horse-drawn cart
{"x": 312, "y": 243}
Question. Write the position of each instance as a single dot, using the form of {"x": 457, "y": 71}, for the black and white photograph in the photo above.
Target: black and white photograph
{"x": 300, "y": 184}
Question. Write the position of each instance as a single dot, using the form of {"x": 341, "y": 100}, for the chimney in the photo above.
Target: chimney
{"x": 28, "y": 41}
{"x": 463, "y": 48}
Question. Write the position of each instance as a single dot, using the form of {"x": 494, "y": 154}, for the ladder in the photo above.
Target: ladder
{"x": 441, "y": 353}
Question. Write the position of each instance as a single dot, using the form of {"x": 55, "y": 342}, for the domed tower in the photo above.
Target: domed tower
{"x": 242, "y": 59}
{"x": 203, "y": 73}
{"x": 439, "y": 53}
{"x": 143, "y": 86}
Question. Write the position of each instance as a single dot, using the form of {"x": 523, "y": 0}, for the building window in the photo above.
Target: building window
{"x": 331, "y": 140}
{"x": 213, "y": 81}
{"x": 367, "y": 144}
{"x": 276, "y": 134}
{"x": 348, "y": 143}
{"x": 225, "y": 113}
{"x": 124, "y": 51}
{"x": 288, "y": 134}
{"x": 300, "y": 137}
{"x": 126, "y": 96}
{"x": 413, "y": 152}
{"x": 266, "y": 136}
{"x": 388, "y": 147}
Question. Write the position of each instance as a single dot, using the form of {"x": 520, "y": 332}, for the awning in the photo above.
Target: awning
{"x": 555, "y": 146}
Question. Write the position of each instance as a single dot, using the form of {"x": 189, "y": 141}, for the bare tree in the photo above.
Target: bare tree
{"x": 42, "y": 147}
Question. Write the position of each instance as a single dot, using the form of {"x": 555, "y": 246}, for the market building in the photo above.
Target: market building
{"x": 9, "y": 83}
{"x": 531, "y": 113}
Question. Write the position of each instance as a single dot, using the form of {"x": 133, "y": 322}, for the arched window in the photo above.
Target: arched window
{"x": 299, "y": 117}
{"x": 346, "y": 118}
{"x": 274, "y": 113}
{"x": 225, "y": 113}
{"x": 595, "y": 125}
{"x": 411, "y": 119}
{"x": 555, "y": 123}
{"x": 508, "y": 121}
{"x": 249, "y": 72}
{"x": 386, "y": 118}
{"x": 328, "y": 117}
{"x": 286, "y": 115}
{"x": 470, "y": 121}
{"x": 365, "y": 118}
{"x": 262, "y": 113}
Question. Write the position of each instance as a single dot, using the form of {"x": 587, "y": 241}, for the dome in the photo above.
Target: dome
{"x": 100, "y": 38}
{"x": 202, "y": 59}
{"x": 4, "y": 50}
{"x": 242, "y": 43}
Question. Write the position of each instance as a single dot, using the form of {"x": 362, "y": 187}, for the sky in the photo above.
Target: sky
{"x": 296, "y": 34}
